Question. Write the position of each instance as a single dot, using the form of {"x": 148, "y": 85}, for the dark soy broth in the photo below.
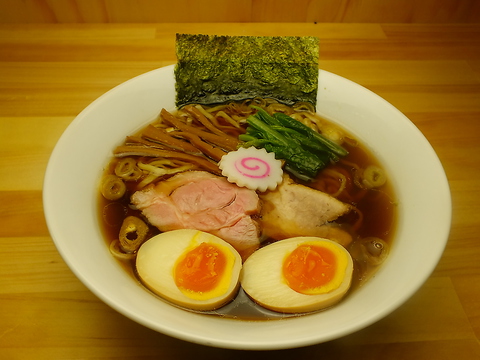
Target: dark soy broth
{"x": 375, "y": 207}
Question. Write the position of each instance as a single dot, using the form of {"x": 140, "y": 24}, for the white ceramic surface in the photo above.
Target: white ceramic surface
{"x": 70, "y": 203}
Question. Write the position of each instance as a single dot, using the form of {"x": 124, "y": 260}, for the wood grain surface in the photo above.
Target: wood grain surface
{"x": 207, "y": 11}
{"x": 50, "y": 72}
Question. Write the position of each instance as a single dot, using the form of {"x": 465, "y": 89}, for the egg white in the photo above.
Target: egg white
{"x": 157, "y": 257}
{"x": 262, "y": 279}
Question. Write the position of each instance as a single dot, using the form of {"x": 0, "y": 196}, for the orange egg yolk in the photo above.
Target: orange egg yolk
{"x": 201, "y": 268}
{"x": 309, "y": 267}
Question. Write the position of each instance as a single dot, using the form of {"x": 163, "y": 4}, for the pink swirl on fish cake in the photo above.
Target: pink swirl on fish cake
{"x": 260, "y": 168}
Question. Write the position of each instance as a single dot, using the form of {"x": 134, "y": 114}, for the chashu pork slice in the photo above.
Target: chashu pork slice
{"x": 296, "y": 210}
{"x": 203, "y": 201}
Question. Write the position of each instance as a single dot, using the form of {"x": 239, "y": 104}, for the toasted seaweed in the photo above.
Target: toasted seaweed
{"x": 214, "y": 69}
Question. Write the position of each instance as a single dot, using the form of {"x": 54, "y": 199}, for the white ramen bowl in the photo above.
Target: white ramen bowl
{"x": 70, "y": 204}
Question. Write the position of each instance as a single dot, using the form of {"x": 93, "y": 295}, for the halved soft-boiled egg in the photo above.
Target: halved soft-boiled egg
{"x": 190, "y": 268}
{"x": 300, "y": 274}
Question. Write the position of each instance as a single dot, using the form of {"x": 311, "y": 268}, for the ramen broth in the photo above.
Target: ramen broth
{"x": 374, "y": 216}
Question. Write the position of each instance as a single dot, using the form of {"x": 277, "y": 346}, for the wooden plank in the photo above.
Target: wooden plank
{"x": 26, "y": 145}
{"x": 403, "y": 72}
{"x": 469, "y": 295}
{"x": 21, "y": 214}
{"x": 33, "y": 265}
{"x": 144, "y": 11}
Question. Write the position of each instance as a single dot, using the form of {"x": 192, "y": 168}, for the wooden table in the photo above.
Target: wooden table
{"x": 49, "y": 73}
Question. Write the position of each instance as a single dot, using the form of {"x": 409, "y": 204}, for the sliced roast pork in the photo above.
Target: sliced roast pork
{"x": 203, "y": 201}
{"x": 296, "y": 210}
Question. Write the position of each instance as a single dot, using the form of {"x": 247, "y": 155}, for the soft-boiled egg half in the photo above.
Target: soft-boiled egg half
{"x": 300, "y": 274}
{"x": 190, "y": 268}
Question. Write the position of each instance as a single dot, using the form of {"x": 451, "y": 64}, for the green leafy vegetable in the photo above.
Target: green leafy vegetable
{"x": 215, "y": 69}
{"x": 311, "y": 134}
{"x": 304, "y": 150}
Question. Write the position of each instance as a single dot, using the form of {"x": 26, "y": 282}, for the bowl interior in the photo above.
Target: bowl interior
{"x": 70, "y": 202}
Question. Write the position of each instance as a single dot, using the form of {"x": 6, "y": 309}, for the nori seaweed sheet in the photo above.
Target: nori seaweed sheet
{"x": 215, "y": 69}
